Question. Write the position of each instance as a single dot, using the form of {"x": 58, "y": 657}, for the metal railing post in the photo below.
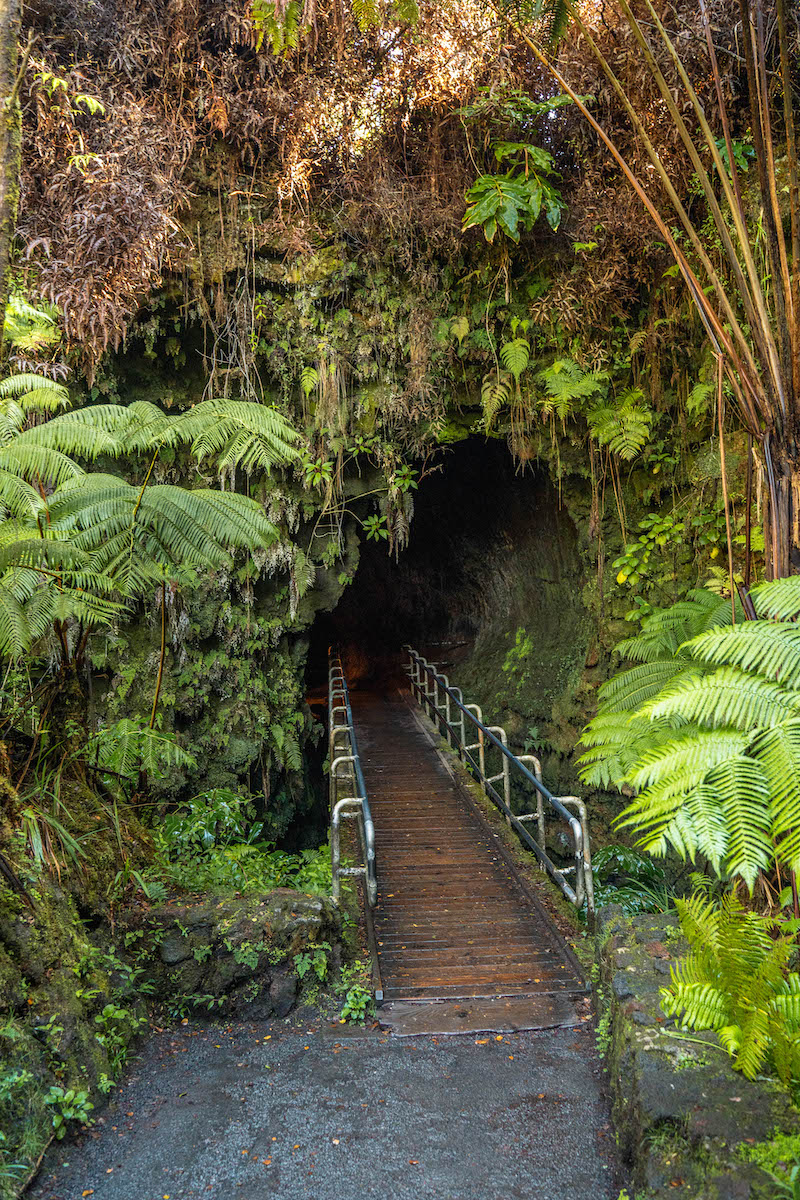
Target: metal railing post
{"x": 345, "y": 765}
{"x": 480, "y": 745}
{"x": 505, "y": 774}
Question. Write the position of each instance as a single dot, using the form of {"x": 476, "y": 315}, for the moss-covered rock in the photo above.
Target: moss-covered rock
{"x": 226, "y": 954}
{"x": 683, "y": 1116}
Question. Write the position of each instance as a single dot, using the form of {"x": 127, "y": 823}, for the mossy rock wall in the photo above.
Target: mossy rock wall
{"x": 75, "y": 991}
{"x": 682, "y": 1115}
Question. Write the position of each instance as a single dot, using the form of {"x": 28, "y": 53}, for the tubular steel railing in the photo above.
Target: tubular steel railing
{"x": 452, "y": 717}
{"x": 348, "y": 792}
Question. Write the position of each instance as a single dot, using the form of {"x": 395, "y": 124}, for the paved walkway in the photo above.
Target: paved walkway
{"x": 257, "y": 1111}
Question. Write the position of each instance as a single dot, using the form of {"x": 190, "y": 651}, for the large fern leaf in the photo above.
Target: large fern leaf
{"x": 742, "y": 789}
{"x": 779, "y": 599}
{"x": 778, "y": 752}
{"x": 727, "y": 697}
{"x": 770, "y": 649}
{"x": 515, "y": 355}
{"x": 630, "y": 689}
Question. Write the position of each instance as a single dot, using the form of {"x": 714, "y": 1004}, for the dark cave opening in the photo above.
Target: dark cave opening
{"x": 480, "y": 524}
{"x": 490, "y": 585}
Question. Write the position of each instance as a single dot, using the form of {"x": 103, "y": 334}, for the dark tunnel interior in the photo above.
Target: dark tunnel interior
{"x": 483, "y": 529}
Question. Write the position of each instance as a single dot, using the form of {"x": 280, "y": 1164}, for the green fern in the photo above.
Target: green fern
{"x": 309, "y": 379}
{"x": 770, "y": 649}
{"x": 565, "y": 384}
{"x": 700, "y": 399}
{"x": 723, "y": 707}
{"x": 367, "y": 13}
{"x": 406, "y": 11}
{"x": 623, "y": 426}
{"x": 495, "y": 393}
{"x": 779, "y": 600}
{"x": 728, "y": 697}
{"x": 515, "y": 356}
{"x": 36, "y": 392}
{"x": 281, "y": 29}
{"x": 129, "y": 746}
{"x": 736, "y": 982}
{"x": 28, "y": 328}
{"x": 79, "y": 547}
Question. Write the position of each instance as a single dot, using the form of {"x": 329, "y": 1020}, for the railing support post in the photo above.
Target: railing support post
{"x": 345, "y": 765}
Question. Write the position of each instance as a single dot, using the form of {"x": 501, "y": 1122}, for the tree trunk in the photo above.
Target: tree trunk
{"x": 781, "y": 470}
{"x": 10, "y": 142}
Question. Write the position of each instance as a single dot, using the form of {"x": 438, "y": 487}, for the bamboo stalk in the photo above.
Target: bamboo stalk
{"x": 772, "y": 363}
{"x": 794, "y": 195}
{"x": 725, "y": 501}
{"x": 748, "y": 511}
{"x": 163, "y": 651}
{"x": 752, "y": 416}
{"x": 781, "y": 285}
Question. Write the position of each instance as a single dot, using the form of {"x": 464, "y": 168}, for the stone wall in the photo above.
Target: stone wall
{"x": 228, "y": 955}
{"x": 682, "y": 1114}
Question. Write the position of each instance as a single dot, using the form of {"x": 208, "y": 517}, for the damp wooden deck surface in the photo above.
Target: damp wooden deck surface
{"x": 452, "y": 921}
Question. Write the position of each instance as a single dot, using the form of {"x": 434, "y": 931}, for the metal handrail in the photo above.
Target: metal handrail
{"x": 345, "y": 769}
{"x": 426, "y": 682}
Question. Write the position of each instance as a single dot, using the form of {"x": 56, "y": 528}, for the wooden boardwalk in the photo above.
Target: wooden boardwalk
{"x": 453, "y": 920}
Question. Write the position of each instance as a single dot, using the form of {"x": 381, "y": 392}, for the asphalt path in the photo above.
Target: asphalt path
{"x": 290, "y": 1110}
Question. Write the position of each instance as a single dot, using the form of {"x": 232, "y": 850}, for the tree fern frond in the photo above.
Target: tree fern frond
{"x": 693, "y": 755}
{"x": 68, "y": 435}
{"x": 709, "y": 826}
{"x": 211, "y": 425}
{"x": 616, "y": 742}
{"x": 629, "y": 690}
{"x": 670, "y": 773}
{"x": 771, "y": 650}
{"x": 33, "y": 461}
{"x": 778, "y": 752}
{"x": 17, "y": 496}
{"x": 779, "y": 599}
{"x": 19, "y": 550}
{"x": 727, "y": 697}
{"x": 15, "y": 633}
{"x": 665, "y": 631}
{"x": 35, "y": 391}
{"x": 742, "y": 789}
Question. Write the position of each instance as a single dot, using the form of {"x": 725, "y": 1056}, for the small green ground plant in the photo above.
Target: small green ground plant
{"x": 314, "y": 959}
{"x": 68, "y": 1105}
{"x": 624, "y": 876}
{"x": 354, "y": 984}
{"x": 780, "y": 1158}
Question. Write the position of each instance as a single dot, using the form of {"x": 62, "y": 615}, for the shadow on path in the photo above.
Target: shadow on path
{"x": 285, "y": 1111}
